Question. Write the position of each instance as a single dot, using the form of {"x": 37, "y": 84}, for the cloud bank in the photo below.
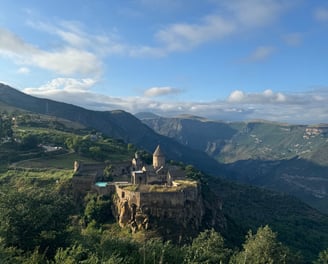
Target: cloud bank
{"x": 301, "y": 108}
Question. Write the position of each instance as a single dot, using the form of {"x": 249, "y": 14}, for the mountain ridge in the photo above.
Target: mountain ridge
{"x": 117, "y": 123}
{"x": 278, "y": 156}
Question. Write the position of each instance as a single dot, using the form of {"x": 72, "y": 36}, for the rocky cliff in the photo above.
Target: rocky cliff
{"x": 165, "y": 208}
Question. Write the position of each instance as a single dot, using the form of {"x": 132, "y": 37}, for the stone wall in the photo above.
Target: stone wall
{"x": 108, "y": 190}
{"x": 131, "y": 196}
{"x": 185, "y": 206}
{"x": 120, "y": 168}
{"x": 83, "y": 183}
{"x": 81, "y": 168}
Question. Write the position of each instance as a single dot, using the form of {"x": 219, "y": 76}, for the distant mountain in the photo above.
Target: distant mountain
{"x": 117, "y": 124}
{"x": 281, "y": 157}
{"x": 146, "y": 115}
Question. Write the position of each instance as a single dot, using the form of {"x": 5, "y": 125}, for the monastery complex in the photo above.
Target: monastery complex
{"x": 149, "y": 193}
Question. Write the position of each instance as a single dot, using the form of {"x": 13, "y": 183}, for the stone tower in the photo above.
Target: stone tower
{"x": 158, "y": 158}
{"x": 136, "y": 162}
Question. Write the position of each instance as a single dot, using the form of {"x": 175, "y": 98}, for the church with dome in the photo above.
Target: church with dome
{"x": 158, "y": 173}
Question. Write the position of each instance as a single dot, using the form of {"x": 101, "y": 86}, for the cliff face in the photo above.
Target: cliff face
{"x": 183, "y": 208}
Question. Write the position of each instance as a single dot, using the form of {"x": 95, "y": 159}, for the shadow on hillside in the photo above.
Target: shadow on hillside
{"x": 247, "y": 207}
{"x": 299, "y": 177}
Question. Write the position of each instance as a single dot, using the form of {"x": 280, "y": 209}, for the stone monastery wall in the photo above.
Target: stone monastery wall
{"x": 158, "y": 199}
{"x": 131, "y": 196}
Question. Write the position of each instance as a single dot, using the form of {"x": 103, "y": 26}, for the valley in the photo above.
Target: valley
{"x": 281, "y": 157}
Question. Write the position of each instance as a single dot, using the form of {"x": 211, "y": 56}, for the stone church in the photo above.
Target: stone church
{"x": 157, "y": 173}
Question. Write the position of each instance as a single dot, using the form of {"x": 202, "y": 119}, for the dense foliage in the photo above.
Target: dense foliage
{"x": 5, "y": 127}
{"x": 34, "y": 219}
{"x": 263, "y": 247}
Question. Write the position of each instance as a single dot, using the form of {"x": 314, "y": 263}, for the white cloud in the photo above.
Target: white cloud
{"x": 321, "y": 14}
{"x": 228, "y": 18}
{"x": 159, "y": 91}
{"x": 266, "y": 97}
{"x": 255, "y": 13}
{"x": 12, "y": 45}
{"x": 71, "y": 33}
{"x": 66, "y": 60}
{"x": 268, "y": 93}
{"x": 59, "y": 85}
{"x": 260, "y": 53}
{"x": 82, "y": 52}
{"x": 179, "y": 37}
{"x": 68, "y": 31}
{"x": 279, "y": 97}
{"x": 23, "y": 70}
{"x": 236, "y": 96}
{"x": 79, "y": 92}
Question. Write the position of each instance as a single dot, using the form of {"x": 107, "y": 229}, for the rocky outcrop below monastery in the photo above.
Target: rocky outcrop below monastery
{"x": 145, "y": 206}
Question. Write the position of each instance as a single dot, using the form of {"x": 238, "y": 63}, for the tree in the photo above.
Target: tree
{"x": 193, "y": 173}
{"x": 9, "y": 255}
{"x": 108, "y": 173}
{"x": 264, "y": 248}
{"x": 5, "y": 127}
{"x": 155, "y": 251}
{"x": 207, "y": 247}
{"x": 31, "y": 218}
{"x": 29, "y": 141}
{"x": 323, "y": 257}
{"x": 96, "y": 153}
{"x": 98, "y": 208}
{"x": 75, "y": 254}
{"x": 122, "y": 250}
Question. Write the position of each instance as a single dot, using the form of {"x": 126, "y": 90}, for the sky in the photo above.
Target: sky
{"x": 226, "y": 60}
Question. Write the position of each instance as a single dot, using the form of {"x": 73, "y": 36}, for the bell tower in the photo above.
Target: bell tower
{"x": 158, "y": 158}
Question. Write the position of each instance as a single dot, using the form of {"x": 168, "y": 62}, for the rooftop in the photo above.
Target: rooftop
{"x": 158, "y": 151}
{"x": 177, "y": 186}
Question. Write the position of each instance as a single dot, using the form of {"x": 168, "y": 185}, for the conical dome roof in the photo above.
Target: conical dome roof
{"x": 158, "y": 152}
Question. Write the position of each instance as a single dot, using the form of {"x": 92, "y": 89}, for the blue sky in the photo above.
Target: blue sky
{"x": 223, "y": 59}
